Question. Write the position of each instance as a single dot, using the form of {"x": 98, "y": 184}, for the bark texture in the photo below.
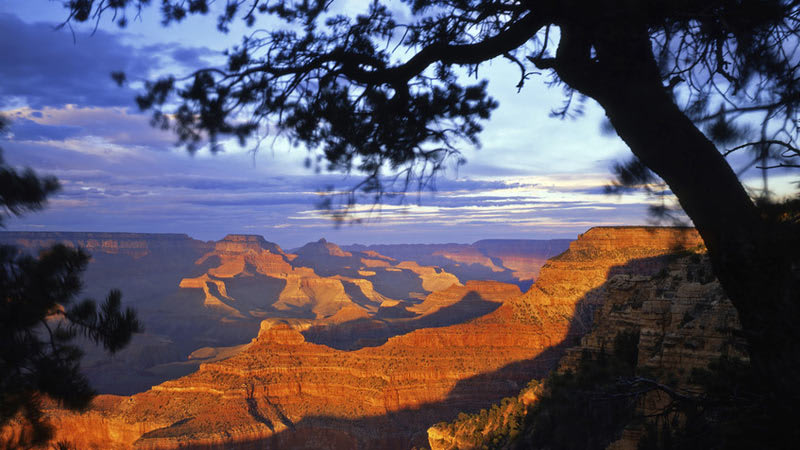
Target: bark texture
{"x": 754, "y": 257}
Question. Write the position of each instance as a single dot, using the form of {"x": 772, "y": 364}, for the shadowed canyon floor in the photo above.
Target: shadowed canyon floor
{"x": 285, "y": 391}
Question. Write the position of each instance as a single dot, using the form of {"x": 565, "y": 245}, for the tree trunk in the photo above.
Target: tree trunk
{"x": 751, "y": 257}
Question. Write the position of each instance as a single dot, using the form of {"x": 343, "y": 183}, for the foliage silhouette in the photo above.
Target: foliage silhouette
{"x": 731, "y": 414}
{"x": 39, "y": 319}
{"x": 584, "y": 409}
{"x": 685, "y": 84}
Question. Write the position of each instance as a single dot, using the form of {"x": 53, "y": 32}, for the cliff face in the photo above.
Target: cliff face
{"x": 684, "y": 321}
{"x": 192, "y": 294}
{"x": 405, "y": 280}
{"x": 286, "y": 391}
{"x": 523, "y": 257}
{"x": 682, "y": 318}
{"x": 508, "y": 260}
{"x": 316, "y": 283}
{"x": 241, "y": 243}
{"x": 571, "y": 286}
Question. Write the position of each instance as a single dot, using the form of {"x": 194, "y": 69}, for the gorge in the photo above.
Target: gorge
{"x": 355, "y": 348}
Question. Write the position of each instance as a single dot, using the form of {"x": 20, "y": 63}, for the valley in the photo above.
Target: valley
{"x": 200, "y": 298}
{"x": 352, "y": 348}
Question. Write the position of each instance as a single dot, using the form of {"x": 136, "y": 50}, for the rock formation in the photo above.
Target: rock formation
{"x": 316, "y": 283}
{"x": 683, "y": 320}
{"x": 192, "y": 294}
{"x": 509, "y": 260}
{"x": 283, "y": 391}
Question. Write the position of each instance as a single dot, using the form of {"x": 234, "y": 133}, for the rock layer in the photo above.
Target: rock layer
{"x": 136, "y": 245}
{"x": 509, "y": 260}
{"x": 192, "y": 294}
{"x": 284, "y": 391}
{"x": 683, "y": 320}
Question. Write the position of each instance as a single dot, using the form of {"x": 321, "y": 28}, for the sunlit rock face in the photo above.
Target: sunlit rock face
{"x": 286, "y": 391}
{"x": 675, "y": 304}
{"x": 509, "y": 260}
{"x": 192, "y": 294}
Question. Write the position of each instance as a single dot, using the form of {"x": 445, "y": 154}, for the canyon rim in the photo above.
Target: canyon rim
{"x": 354, "y": 348}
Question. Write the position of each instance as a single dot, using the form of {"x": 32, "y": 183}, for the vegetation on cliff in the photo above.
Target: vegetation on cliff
{"x": 663, "y": 367}
{"x": 498, "y": 426}
{"x": 287, "y": 391}
{"x": 581, "y": 409}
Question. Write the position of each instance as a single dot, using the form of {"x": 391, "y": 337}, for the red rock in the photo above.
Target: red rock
{"x": 283, "y": 389}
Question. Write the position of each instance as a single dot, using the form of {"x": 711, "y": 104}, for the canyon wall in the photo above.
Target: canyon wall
{"x": 192, "y": 294}
{"x": 284, "y": 391}
{"x": 136, "y": 245}
{"x": 509, "y": 260}
{"x": 683, "y": 322}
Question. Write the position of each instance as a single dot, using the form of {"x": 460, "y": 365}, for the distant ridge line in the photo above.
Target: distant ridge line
{"x": 89, "y": 233}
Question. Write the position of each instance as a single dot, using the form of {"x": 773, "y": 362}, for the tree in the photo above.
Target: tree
{"x": 39, "y": 318}
{"x": 675, "y": 78}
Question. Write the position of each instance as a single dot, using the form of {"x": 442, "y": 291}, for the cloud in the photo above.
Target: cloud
{"x": 28, "y": 130}
{"x": 171, "y": 192}
{"x": 187, "y": 57}
{"x": 46, "y": 66}
{"x": 535, "y": 177}
{"x": 116, "y": 126}
{"x": 42, "y": 66}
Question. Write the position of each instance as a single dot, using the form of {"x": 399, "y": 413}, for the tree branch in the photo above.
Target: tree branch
{"x": 515, "y": 36}
{"x": 769, "y": 142}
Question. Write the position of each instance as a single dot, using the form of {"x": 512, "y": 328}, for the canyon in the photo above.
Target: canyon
{"x": 201, "y": 301}
{"x": 509, "y": 260}
{"x": 378, "y": 370}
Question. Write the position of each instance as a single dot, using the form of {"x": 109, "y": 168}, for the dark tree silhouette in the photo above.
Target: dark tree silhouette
{"x": 379, "y": 92}
{"x": 39, "y": 318}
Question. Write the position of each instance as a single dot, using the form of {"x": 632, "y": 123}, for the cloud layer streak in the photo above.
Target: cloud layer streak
{"x": 534, "y": 178}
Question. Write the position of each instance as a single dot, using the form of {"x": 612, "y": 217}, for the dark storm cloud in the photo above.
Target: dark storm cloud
{"x": 46, "y": 66}
{"x": 42, "y": 66}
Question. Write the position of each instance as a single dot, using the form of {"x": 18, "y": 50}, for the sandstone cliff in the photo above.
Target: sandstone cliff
{"x": 395, "y": 279}
{"x": 509, "y": 260}
{"x": 681, "y": 317}
{"x": 284, "y": 391}
{"x": 192, "y": 294}
{"x": 252, "y": 278}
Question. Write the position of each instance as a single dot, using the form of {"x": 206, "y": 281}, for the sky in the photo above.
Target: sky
{"x": 535, "y": 177}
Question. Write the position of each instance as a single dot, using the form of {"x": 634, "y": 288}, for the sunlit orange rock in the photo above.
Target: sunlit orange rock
{"x": 284, "y": 391}
{"x": 683, "y": 321}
